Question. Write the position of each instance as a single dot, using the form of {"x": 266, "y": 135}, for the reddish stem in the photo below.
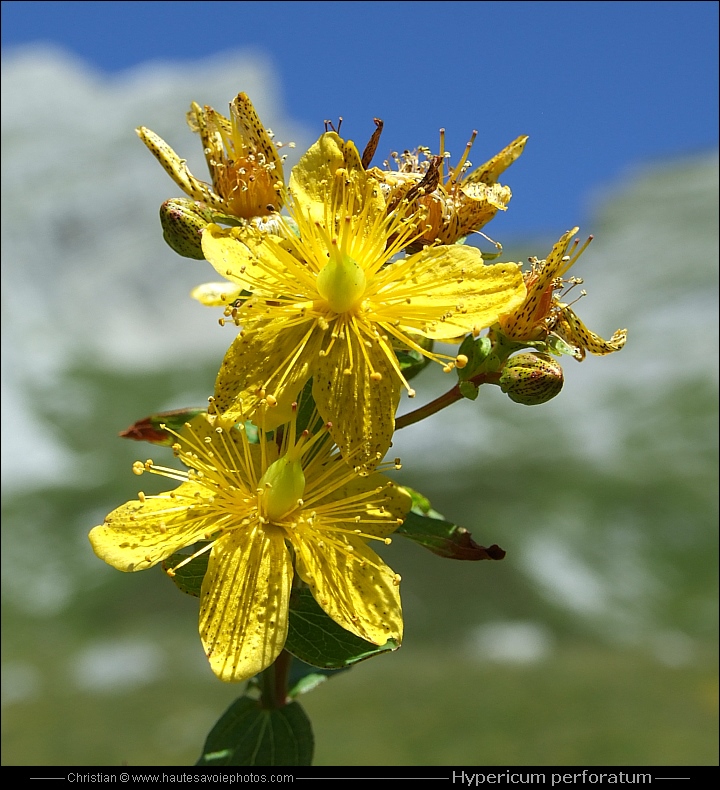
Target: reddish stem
{"x": 443, "y": 401}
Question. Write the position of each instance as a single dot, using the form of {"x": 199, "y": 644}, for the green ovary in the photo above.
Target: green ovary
{"x": 283, "y": 485}
{"x": 341, "y": 283}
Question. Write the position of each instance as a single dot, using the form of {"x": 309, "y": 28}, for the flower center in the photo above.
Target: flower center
{"x": 283, "y": 485}
{"x": 341, "y": 282}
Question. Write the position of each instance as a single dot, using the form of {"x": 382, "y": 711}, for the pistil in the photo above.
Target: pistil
{"x": 341, "y": 282}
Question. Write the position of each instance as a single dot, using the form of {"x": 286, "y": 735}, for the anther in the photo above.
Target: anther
{"x": 461, "y": 361}
{"x": 141, "y": 496}
{"x": 375, "y": 376}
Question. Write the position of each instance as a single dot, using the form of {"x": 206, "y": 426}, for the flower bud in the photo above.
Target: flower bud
{"x": 182, "y": 223}
{"x": 531, "y": 378}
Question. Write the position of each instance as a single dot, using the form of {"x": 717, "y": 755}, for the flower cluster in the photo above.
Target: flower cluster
{"x": 337, "y": 283}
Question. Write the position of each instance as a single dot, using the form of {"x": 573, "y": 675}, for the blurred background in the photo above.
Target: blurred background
{"x": 595, "y": 641}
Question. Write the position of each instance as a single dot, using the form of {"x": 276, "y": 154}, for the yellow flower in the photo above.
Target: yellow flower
{"x": 245, "y": 167}
{"x": 457, "y": 204}
{"x": 543, "y": 314}
{"x": 328, "y": 302}
{"x": 267, "y": 515}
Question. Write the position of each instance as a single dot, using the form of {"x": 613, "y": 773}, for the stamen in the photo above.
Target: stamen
{"x": 190, "y": 558}
{"x": 442, "y": 156}
{"x": 461, "y": 361}
{"x": 459, "y": 167}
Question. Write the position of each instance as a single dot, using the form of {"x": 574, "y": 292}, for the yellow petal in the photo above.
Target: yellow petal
{"x": 571, "y": 329}
{"x": 353, "y": 586}
{"x": 216, "y": 294}
{"x": 233, "y": 456}
{"x": 248, "y": 125}
{"x": 492, "y": 169}
{"x": 384, "y": 511}
{"x": 444, "y": 292}
{"x": 244, "y": 602}
{"x": 212, "y": 128}
{"x": 138, "y": 535}
{"x": 361, "y": 403}
{"x": 496, "y": 195}
{"x": 314, "y": 185}
{"x": 233, "y": 254}
{"x": 479, "y": 204}
{"x": 176, "y": 168}
{"x": 269, "y": 358}
{"x": 312, "y": 177}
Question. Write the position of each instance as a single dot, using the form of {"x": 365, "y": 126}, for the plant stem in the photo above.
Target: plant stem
{"x": 443, "y": 401}
{"x": 274, "y": 682}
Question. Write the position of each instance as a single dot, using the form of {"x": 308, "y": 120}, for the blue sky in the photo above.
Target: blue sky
{"x": 600, "y": 87}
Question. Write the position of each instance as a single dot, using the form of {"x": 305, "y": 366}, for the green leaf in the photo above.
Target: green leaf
{"x": 307, "y": 418}
{"x": 477, "y": 351}
{"x": 189, "y": 577}
{"x": 468, "y": 390}
{"x": 420, "y": 503}
{"x": 304, "y": 677}
{"x": 503, "y": 347}
{"x": 247, "y": 734}
{"x": 148, "y": 429}
{"x": 445, "y": 539}
{"x": 307, "y": 413}
{"x": 411, "y": 362}
{"x": 316, "y": 639}
{"x": 559, "y": 347}
{"x": 313, "y": 637}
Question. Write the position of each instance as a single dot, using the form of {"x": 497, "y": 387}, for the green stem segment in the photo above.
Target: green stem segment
{"x": 443, "y": 401}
